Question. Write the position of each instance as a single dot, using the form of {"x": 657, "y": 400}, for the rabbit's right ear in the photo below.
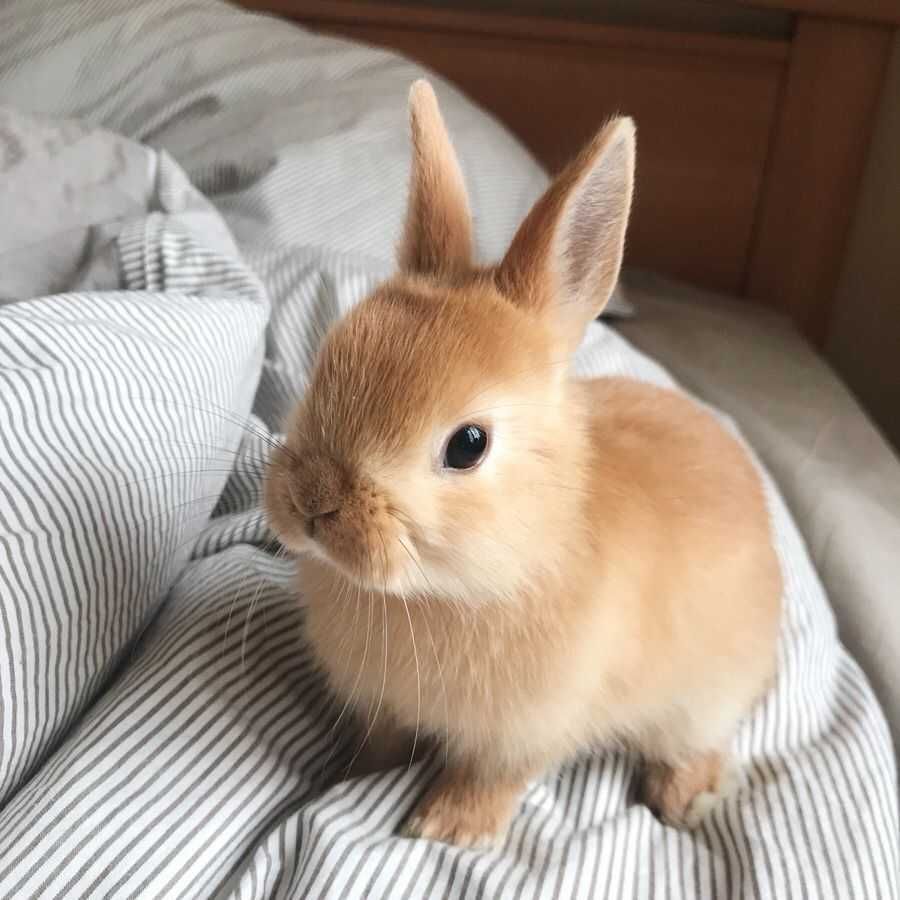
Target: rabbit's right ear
{"x": 564, "y": 260}
{"x": 437, "y": 237}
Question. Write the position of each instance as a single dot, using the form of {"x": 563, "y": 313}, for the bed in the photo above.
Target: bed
{"x": 190, "y": 195}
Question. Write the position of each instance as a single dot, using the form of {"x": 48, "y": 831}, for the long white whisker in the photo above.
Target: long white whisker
{"x": 259, "y": 587}
{"x": 347, "y": 587}
{"x": 412, "y": 635}
{"x": 237, "y": 595}
{"x": 440, "y": 668}
{"x": 374, "y": 719}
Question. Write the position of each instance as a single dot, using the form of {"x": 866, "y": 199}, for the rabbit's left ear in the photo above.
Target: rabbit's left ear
{"x": 437, "y": 237}
{"x": 565, "y": 258}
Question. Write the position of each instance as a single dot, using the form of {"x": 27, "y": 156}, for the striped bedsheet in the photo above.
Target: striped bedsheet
{"x": 163, "y": 732}
{"x": 163, "y": 729}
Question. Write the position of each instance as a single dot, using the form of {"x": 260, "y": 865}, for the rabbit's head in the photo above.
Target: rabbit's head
{"x": 432, "y": 452}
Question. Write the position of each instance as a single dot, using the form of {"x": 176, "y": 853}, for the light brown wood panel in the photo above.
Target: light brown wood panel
{"x": 819, "y": 150}
{"x": 704, "y": 106}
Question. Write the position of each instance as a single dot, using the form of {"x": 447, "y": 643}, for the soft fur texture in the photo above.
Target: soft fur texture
{"x": 605, "y": 575}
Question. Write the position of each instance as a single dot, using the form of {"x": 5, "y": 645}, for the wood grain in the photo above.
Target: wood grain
{"x": 886, "y": 12}
{"x": 473, "y": 21}
{"x": 704, "y": 105}
{"x": 818, "y": 153}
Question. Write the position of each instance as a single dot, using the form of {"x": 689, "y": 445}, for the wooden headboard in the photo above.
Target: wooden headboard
{"x": 750, "y": 149}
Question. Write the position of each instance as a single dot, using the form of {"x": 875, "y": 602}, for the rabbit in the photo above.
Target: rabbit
{"x": 505, "y": 563}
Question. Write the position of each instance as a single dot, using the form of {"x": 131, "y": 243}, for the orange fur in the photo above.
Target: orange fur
{"x": 437, "y": 238}
{"x": 606, "y": 575}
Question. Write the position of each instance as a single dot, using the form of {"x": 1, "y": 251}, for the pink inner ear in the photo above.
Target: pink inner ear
{"x": 564, "y": 259}
{"x": 593, "y": 227}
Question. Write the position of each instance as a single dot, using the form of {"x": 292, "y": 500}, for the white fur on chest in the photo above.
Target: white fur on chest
{"x": 456, "y": 678}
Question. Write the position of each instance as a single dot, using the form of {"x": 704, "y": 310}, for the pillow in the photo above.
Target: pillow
{"x": 144, "y": 353}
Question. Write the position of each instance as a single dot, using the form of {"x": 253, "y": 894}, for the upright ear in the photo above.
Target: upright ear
{"x": 565, "y": 258}
{"x": 437, "y": 237}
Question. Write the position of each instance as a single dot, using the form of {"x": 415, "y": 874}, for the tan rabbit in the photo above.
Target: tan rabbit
{"x": 505, "y": 561}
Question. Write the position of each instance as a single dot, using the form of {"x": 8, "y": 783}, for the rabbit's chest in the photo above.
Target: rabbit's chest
{"x": 457, "y": 678}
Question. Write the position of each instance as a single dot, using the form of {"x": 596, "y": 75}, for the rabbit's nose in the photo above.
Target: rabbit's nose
{"x": 317, "y": 491}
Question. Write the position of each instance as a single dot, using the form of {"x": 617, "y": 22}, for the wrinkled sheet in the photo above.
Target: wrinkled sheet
{"x": 163, "y": 728}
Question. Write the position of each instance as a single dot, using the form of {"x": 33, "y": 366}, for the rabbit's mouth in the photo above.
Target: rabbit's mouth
{"x": 370, "y": 550}
{"x": 369, "y": 575}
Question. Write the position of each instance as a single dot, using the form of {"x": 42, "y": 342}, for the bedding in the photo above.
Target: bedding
{"x": 162, "y": 731}
{"x": 265, "y": 118}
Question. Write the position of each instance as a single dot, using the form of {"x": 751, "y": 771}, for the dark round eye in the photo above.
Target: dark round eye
{"x": 466, "y": 447}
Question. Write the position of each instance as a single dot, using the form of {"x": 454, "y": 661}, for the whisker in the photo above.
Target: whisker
{"x": 259, "y": 587}
{"x": 146, "y": 520}
{"x": 356, "y": 683}
{"x": 343, "y": 594}
{"x": 223, "y": 413}
{"x": 189, "y": 540}
{"x": 383, "y": 679}
{"x": 239, "y": 452}
{"x": 175, "y": 473}
{"x": 237, "y": 595}
{"x": 412, "y": 635}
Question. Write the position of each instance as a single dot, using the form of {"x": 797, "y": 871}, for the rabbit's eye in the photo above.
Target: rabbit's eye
{"x": 466, "y": 447}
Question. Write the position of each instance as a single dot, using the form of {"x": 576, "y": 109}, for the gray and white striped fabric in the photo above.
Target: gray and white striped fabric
{"x": 162, "y": 729}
